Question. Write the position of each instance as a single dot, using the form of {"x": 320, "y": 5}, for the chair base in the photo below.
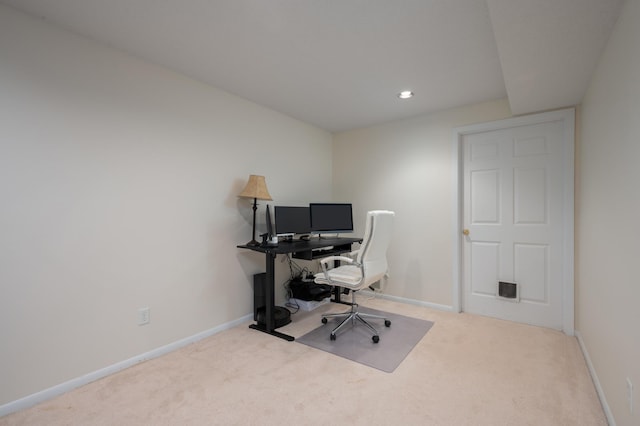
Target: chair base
{"x": 352, "y": 316}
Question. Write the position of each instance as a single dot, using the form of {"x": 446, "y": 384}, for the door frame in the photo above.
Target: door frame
{"x": 567, "y": 116}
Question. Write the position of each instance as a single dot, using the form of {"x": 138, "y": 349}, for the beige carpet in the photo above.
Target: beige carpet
{"x": 468, "y": 370}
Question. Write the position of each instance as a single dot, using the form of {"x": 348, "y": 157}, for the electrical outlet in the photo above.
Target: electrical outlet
{"x": 376, "y": 286}
{"x": 144, "y": 316}
{"x": 630, "y": 395}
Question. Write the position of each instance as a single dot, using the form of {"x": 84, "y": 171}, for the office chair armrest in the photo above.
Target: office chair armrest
{"x": 326, "y": 260}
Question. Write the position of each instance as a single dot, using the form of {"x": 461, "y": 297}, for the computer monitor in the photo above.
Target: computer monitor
{"x": 331, "y": 218}
{"x": 269, "y": 223}
{"x": 292, "y": 220}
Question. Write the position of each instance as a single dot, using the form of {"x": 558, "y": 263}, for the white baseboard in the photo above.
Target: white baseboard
{"x": 409, "y": 301}
{"x": 38, "y": 397}
{"x": 596, "y": 382}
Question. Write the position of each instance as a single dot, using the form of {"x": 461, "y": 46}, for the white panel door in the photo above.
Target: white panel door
{"x": 513, "y": 220}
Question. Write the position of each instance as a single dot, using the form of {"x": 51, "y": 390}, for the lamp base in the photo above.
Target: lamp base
{"x": 253, "y": 241}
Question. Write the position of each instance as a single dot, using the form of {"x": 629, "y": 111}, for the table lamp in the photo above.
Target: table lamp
{"x": 256, "y": 188}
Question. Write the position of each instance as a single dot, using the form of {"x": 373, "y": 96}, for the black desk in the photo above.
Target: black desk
{"x": 313, "y": 249}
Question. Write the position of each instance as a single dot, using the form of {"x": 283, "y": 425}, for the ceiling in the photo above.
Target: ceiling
{"x": 339, "y": 64}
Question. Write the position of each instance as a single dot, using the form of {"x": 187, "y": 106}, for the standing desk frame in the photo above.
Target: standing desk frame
{"x": 308, "y": 250}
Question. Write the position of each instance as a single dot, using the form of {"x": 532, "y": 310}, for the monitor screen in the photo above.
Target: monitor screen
{"x": 292, "y": 220}
{"x": 269, "y": 223}
{"x": 331, "y": 217}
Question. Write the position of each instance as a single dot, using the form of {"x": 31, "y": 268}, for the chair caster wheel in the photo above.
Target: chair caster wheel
{"x": 375, "y": 339}
{"x": 387, "y": 323}
{"x": 324, "y": 320}
{"x": 332, "y": 336}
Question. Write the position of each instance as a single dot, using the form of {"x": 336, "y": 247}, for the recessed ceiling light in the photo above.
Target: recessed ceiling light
{"x": 405, "y": 94}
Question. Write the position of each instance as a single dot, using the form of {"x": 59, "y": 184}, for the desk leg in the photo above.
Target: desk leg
{"x": 337, "y": 291}
{"x": 269, "y": 319}
{"x": 269, "y": 314}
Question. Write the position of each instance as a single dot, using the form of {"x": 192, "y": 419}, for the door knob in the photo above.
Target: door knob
{"x": 465, "y": 232}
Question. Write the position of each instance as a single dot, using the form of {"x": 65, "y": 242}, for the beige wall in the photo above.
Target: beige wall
{"x": 118, "y": 184}
{"x": 406, "y": 166}
{"x": 608, "y": 208}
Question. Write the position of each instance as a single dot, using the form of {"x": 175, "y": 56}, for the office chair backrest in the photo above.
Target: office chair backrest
{"x": 373, "y": 251}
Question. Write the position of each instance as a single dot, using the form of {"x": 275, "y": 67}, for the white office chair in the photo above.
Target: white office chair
{"x": 369, "y": 266}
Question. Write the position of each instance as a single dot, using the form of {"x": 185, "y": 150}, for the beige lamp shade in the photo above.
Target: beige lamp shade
{"x": 256, "y": 188}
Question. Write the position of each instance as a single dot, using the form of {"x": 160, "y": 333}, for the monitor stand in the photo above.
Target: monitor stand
{"x": 320, "y": 237}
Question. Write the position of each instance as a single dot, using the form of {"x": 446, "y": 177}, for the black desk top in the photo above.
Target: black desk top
{"x": 294, "y": 246}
